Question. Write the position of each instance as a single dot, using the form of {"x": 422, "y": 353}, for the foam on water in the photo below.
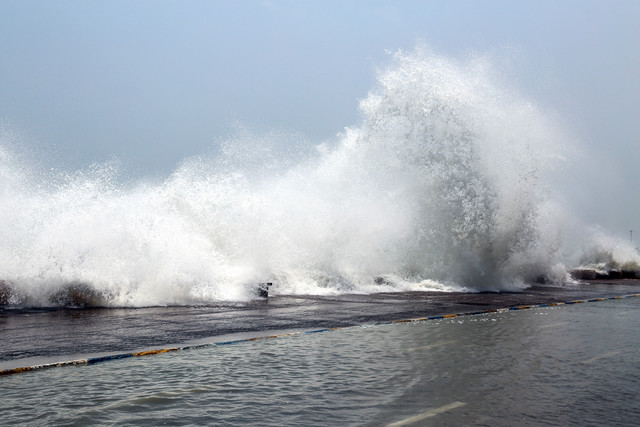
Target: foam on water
{"x": 441, "y": 186}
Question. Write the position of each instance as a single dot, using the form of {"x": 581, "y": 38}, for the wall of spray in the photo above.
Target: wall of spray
{"x": 443, "y": 185}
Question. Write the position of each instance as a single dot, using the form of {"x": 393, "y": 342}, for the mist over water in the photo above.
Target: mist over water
{"x": 442, "y": 185}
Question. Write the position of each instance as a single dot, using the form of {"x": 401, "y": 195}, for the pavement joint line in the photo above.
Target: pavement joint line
{"x": 100, "y": 359}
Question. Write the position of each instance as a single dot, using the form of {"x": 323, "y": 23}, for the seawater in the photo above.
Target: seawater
{"x": 566, "y": 365}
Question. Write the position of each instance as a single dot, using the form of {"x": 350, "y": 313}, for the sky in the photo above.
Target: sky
{"x": 152, "y": 82}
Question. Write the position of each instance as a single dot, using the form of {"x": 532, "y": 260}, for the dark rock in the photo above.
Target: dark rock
{"x": 584, "y": 274}
{"x": 77, "y": 295}
{"x": 5, "y": 293}
{"x": 630, "y": 274}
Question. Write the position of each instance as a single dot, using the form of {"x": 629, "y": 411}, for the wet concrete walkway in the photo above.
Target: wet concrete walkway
{"x": 45, "y": 336}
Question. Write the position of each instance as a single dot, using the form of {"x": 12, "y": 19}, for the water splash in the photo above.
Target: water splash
{"x": 441, "y": 186}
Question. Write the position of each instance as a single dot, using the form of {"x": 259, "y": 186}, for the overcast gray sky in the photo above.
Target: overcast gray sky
{"x": 153, "y": 82}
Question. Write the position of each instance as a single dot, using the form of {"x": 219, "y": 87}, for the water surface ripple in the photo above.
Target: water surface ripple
{"x": 565, "y": 365}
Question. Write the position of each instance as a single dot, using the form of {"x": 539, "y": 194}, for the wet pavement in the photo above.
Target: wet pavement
{"x": 52, "y": 335}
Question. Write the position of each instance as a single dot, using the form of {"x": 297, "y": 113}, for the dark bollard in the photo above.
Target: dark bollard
{"x": 263, "y": 289}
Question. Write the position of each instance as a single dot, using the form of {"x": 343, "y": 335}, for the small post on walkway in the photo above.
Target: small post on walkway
{"x": 263, "y": 289}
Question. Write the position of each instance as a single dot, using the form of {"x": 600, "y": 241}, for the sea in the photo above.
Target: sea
{"x": 559, "y": 365}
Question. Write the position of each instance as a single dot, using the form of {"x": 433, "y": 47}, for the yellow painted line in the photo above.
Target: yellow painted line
{"x": 153, "y": 352}
{"x": 429, "y": 414}
{"x": 446, "y": 316}
{"x": 20, "y": 370}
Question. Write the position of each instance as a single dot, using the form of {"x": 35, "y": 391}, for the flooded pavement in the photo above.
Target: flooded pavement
{"x": 45, "y": 336}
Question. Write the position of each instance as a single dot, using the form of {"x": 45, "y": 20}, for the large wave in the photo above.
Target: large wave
{"x": 441, "y": 186}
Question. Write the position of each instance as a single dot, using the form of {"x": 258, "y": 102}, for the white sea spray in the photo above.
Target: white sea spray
{"x": 441, "y": 186}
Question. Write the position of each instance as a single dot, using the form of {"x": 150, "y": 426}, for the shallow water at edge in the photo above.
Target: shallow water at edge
{"x": 567, "y": 365}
